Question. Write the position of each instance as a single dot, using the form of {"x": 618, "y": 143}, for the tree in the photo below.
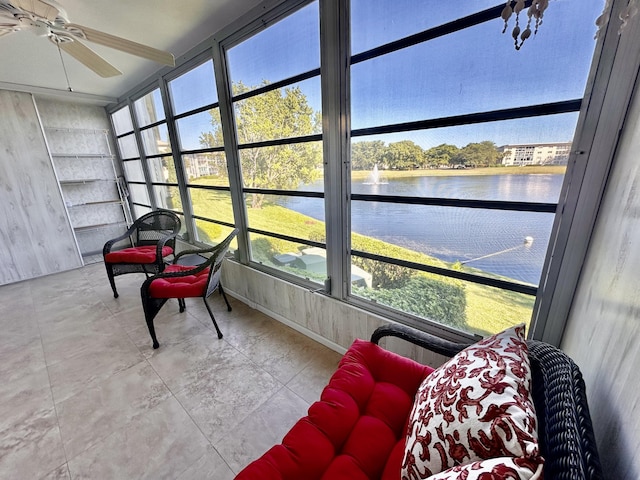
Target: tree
{"x": 366, "y": 154}
{"x": 441, "y": 155}
{"x": 276, "y": 114}
{"x": 483, "y": 154}
{"x": 404, "y": 155}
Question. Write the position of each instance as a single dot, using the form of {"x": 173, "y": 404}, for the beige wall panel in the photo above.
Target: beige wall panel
{"x": 603, "y": 332}
{"x": 35, "y": 235}
{"x": 334, "y": 323}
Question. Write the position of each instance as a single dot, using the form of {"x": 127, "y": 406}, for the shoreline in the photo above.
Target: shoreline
{"x": 436, "y": 172}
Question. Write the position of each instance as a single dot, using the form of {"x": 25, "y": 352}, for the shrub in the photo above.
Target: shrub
{"x": 437, "y": 300}
{"x": 384, "y": 275}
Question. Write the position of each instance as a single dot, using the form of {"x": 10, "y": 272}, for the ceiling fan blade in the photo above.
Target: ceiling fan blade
{"x": 6, "y": 31}
{"x": 39, "y": 8}
{"x": 89, "y": 58}
{"x": 121, "y": 44}
{"x": 8, "y": 25}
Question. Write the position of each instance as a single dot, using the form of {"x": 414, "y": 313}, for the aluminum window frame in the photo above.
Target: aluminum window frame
{"x": 575, "y": 214}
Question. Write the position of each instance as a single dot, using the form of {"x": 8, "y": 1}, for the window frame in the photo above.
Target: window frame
{"x": 575, "y": 211}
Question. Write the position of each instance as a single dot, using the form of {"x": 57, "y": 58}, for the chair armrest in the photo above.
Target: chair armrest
{"x": 107, "y": 246}
{"x": 417, "y": 337}
{"x": 195, "y": 251}
{"x": 213, "y": 250}
{"x": 161, "y": 244}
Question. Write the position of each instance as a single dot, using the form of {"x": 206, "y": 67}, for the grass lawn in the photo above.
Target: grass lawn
{"x": 488, "y": 310}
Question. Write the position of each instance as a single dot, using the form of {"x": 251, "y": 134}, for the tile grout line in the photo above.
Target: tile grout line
{"x": 53, "y": 401}
{"x": 189, "y": 415}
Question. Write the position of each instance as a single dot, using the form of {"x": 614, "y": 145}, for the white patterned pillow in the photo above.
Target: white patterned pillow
{"x": 494, "y": 469}
{"x": 475, "y": 407}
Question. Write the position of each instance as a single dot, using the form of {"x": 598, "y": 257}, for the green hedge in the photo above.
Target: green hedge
{"x": 428, "y": 298}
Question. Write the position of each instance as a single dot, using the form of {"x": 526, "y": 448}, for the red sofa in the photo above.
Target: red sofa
{"x": 357, "y": 430}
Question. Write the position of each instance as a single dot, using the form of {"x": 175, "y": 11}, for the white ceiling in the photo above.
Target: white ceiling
{"x": 31, "y": 63}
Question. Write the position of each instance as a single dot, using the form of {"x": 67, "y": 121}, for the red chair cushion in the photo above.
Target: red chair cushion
{"x": 180, "y": 287}
{"x": 144, "y": 254}
{"x": 357, "y": 429}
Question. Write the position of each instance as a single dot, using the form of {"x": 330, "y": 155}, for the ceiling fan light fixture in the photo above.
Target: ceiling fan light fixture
{"x": 47, "y": 18}
{"x": 40, "y": 8}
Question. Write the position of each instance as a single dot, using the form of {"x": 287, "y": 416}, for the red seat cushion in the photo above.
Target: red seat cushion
{"x": 357, "y": 429}
{"x": 180, "y": 287}
{"x": 144, "y": 254}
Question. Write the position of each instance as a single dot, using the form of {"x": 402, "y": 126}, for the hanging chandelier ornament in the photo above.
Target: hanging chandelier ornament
{"x": 534, "y": 12}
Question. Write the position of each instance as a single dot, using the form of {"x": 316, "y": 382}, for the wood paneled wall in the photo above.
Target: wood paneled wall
{"x": 35, "y": 235}
{"x": 603, "y": 333}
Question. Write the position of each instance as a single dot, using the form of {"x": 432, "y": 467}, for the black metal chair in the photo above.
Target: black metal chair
{"x": 565, "y": 432}
{"x": 185, "y": 281}
{"x": 151, "y": 238}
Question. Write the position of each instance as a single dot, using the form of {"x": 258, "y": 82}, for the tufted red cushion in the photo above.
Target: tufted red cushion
{"x": 180, "y": 287}
{"x": 144, "y": 254}
{"x": 357, "y": 429}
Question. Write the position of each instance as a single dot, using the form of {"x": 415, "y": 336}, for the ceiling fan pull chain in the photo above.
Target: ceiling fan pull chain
{"x": 64, "y": 68}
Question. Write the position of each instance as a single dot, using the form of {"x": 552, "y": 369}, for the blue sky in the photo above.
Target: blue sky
{"x": 474, "y": 70}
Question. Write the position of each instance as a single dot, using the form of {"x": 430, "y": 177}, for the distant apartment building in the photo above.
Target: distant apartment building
{"x": 536, "y": 154}
{"x": 201, "y": 165}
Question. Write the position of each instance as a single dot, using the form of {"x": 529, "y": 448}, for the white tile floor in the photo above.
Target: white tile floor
{"x": 84, "y": 395}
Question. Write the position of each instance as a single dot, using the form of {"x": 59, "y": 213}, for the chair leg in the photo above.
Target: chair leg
{"x": 182, "y": 305}
{"x": 152, "y": 332}
{"x": 112, "y": 280}
{"x": 215, "y": 324}
{"x": 225, "y": 297}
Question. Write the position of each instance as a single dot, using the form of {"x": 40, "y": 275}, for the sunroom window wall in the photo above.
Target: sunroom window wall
{"x": 139, "y": 200}
{"x": 194, "y": 102}
{"x": 276, "y": 104}
{"x": 446, "y": 232}
{"x": 396, "y": 185}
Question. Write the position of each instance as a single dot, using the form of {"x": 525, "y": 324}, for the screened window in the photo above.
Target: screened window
{"x": 275, "y": 79}
{"x": 122, "y": 121}
{"x": 445, "y": 224}
{"x": 156, "y": 145}
{"x": 193, "y": 89}
{"x": 149, "y": 109}
{"x": 128, "y": 146}
{"x": 132, "y": 164}
{"x": 200, "y": 137}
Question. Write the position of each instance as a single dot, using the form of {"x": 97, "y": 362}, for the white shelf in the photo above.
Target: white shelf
{"x": 82, "y": 181}
{"x": 77, "y": 130}
{"x": 106, "y": 202}
{"x": 99, "y": 226}
{"x": 82, "y": 155}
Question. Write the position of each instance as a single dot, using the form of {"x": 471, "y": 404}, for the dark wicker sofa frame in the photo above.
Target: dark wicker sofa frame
{"x": 565, "y": 431}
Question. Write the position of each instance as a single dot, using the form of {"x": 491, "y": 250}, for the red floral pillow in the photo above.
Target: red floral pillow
{"x": 477, "y": 406}
{"x": 494, "y": 469}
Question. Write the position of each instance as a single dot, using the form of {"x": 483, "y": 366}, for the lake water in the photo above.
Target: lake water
{"x": 489, "y": 240}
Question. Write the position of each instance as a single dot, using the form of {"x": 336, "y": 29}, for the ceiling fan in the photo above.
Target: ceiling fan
{"x": 47, "y": 18}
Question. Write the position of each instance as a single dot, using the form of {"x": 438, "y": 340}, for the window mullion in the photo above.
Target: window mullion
{"x": 336, "y": 125}
{"x": 187, "y": 209}
{"x": 143, "y": 156}
{"x": 232, "y": 155}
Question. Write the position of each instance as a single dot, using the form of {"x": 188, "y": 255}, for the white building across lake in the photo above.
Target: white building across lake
{"x": 536, "y": 154}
